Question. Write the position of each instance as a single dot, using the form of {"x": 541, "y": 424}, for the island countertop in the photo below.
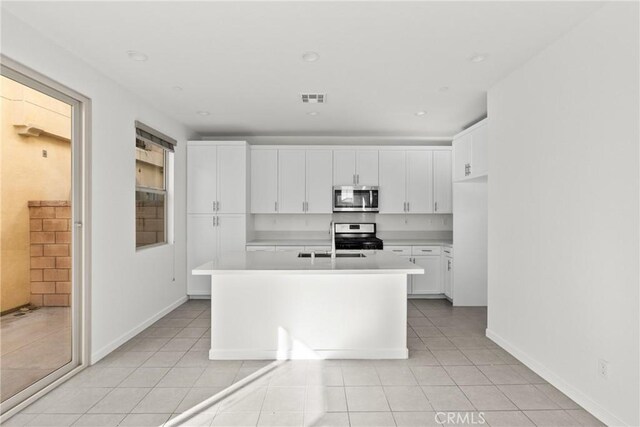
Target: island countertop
{"x": 375, "y": 262}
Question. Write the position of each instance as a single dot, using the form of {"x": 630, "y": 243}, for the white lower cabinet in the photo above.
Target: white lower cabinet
{"x": 209, "y": 236}
{"x": 429, "y": 258}
{"x": 447, "y": 275}
{"x": 431, "y": 281}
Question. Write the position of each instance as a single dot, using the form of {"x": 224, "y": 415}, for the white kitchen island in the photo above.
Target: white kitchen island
{"x": 275, "y": 305}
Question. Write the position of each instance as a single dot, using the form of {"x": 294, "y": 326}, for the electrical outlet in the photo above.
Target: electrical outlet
{"x": 603, "y": 368}
{"x": 44, "y": 153}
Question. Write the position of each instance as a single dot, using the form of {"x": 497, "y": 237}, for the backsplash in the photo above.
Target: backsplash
{"x": 316, "y": 226}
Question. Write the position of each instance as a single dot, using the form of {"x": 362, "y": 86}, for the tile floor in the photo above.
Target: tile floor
{"x": 33, "y": 345}
{"x": 163, "y": 377}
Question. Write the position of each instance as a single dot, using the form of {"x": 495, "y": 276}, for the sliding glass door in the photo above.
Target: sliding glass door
{"x": 42, "y": 236}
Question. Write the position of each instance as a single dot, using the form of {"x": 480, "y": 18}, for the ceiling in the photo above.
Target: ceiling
{"x": 379, "y": 64}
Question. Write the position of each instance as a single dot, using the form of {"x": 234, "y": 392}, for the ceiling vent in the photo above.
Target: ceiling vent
{"x": 314, "y": 98}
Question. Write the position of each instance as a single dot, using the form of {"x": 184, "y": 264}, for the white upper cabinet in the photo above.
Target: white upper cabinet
{"x": 470, "y": 152}
{"x": 367, "y": 167}
{"x": 264, "y": 181}
{"x": 232, "y": 179}
{"x": 393, "y": 181}
{"x": 442, "y": 197}
{"x": 419, "y": 181}
{"x": 291, "y": 181}
{"x": 202, "y": 178}
{"x": 355, "y": 167}
{"x": 344, "y": 167}
{"x": 216, "y": 177}
{"x": 406, "y": 181}
{"x": 319, "y": 181}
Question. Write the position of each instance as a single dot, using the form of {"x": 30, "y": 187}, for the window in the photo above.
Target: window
{"x": 153, "y": 150}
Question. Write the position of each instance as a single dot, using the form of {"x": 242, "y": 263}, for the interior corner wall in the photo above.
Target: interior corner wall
{"x": 564, "y": 213}
{"x": 129, "y": 288}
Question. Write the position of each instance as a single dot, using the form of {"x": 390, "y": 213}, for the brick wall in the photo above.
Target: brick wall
{"x": 149, "y": 222}
{"x": 50, "y": 239}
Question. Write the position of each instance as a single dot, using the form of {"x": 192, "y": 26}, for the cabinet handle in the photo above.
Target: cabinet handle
{"x": 357, "y": 178}
{"x": 302, "y": 206}
{"x": 426, "y": 250}
{"x": 449, "y": 265}
{"x": 214, "y": 206}
{"x": 213, "y": 220}
{"x": 354, "y": 178}
{"x": 408, "y": 207}
{"x": 218, "y": 221}
{"x": 436, "y": 209}
{"x": 306, "y": 206}
{"x": 275, "y": 207}
{"x": 218, "y": 205}
{"x": 396, "y": 250}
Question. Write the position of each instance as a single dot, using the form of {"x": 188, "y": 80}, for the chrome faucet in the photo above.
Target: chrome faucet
{"x": 333, "y": 239}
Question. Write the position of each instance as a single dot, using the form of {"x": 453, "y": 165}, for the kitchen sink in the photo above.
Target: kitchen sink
{"x": 327, "y": 255}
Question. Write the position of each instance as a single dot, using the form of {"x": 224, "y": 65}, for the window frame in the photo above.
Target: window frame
{"x": 166, "y": 170}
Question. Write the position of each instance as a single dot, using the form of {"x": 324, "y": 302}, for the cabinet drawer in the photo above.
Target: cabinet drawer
{"x": 289, "y": 248}
{"x": 317, "y": 248}
{"x": 398, "y": 250}
{"x": 425, "y": 250}
{"x": 261, "y": 248}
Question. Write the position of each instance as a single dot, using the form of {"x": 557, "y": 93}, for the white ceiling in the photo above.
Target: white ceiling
{"x": 380, "y": 62}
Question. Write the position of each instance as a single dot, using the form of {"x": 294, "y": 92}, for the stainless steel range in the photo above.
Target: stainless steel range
{"x": 356, "y": 236}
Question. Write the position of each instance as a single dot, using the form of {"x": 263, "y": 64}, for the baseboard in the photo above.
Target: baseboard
{"x": 99, "y": 354}
{"x": 555, "y": 380}
{"x": 244, "y": 354}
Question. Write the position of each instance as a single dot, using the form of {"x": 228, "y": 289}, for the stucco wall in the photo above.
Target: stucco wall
{"x": 26, "y": 175}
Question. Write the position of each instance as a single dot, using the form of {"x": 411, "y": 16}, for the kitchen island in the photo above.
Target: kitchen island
{"x": 277, "y": 305}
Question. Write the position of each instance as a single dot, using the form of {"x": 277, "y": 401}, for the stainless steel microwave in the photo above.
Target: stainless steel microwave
{"x": 348, "y": 198}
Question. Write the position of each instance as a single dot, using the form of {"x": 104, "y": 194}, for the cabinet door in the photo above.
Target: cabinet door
{"x": 201, "y": 248}
{"x": 291, "y": 181}
{"x": 201, "y": 178}
{"x": 264, "y": 181}
{"x": 420, "y": 181}
{"x": 479, "y": 151}
{"x": 231, "y": 233}
{"x": 344, "y": 167}
{"x": 367, "y": 167}
{"x": 319, "y": 181}
{"x": 430, "y": 282}
{"x": 409, "y": 277}
{"x": 232, "y": 179}
{"x": 393, "y": 192}
{"x": 461, "y": 155}
{"x": 442, "y": 185}
{"x": 447, "y": 273}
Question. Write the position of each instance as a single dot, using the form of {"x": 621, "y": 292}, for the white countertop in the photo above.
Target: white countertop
{"x": 376, "y": 262}
{"x": 327, "y": 242}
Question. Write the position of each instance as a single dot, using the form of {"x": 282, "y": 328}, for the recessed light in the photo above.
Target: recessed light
{"x": 310, "y": 56}
{"x": 203, "y": 113}
{"x": 443, "y": 89}
{"x": 177, "y": 88}
{"x": 137, "y": 56}
{"x": 312, "y": 113}
{"x": 421, "y": 113}
{"x": 479, "y": 57}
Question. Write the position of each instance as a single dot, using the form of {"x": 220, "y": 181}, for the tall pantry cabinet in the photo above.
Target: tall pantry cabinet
{"x": 216, "y": 205}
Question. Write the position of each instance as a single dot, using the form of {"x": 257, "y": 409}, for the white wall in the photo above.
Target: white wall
{"x": 564, "y": 212}
{"x": 470, "y": 243}
{"x": 128, "y": 288}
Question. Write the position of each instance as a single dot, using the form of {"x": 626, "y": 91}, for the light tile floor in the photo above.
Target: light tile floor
{"x": 32, "y": 346}
{"x": 163, "y": 377}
